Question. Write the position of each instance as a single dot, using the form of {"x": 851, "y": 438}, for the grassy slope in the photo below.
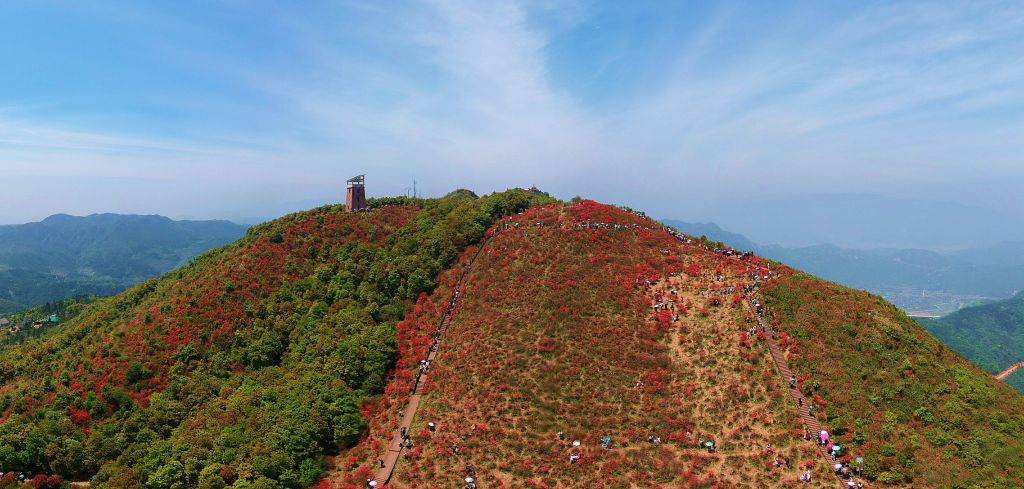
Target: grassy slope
{"x": 245, "y": 366}
{"x": 553, "y": 334}
{"x": 920, "y": 413}
{"x": 990, "y": 335}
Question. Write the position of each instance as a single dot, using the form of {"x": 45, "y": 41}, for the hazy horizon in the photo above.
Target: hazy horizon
{"x": 242, "y": 111}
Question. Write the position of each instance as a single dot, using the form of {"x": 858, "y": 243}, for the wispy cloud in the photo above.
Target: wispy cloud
{"x": 775, "y": 98}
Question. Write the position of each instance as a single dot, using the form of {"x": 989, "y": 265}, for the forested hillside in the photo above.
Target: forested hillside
{"x": 102, "y": 254}
{"x": 10, "y": 307}
{"x": 990, "y": 335}
{"x": 922, "y": 414}
{"x": 244, "y": 367}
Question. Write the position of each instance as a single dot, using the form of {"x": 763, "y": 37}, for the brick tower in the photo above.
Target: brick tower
{"x": 355, "y": 198}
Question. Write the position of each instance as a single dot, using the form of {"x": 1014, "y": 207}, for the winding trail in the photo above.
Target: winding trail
{"x": 803, "y": 406}
{"x": 1009, "y": 371}
{"x": 397, "y": 447}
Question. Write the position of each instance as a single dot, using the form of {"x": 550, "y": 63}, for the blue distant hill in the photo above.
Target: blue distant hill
{"x": 66, "y": 256}
{"x": 916, "y": 280}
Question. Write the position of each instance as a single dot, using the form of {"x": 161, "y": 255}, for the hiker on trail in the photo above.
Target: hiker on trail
{"x": 470, "y": 483}
{"x": 792, "y": 381}
{"x": 576, "y": 443}
{"x": 806, "y": 477}
{"x": 431, "y": 426}
{"x": 382, "y": 463}
{"x": 606, "y": 442}
{"x": 573, "y": 458}
{"x": 835, "y": 451}
{"x": 823, "y": 438}
{"x": 371, "y": 483}
{"x": 561, "y": 436}
{"x": 788, "y": 462}
{"x": 405, "y": 432}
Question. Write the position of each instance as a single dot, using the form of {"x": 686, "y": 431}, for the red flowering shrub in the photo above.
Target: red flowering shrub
{"x": 46, "y": 482}
{"x": 554, "y": 332}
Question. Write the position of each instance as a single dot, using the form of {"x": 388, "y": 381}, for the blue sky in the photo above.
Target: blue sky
{"x": 241, "y": 109}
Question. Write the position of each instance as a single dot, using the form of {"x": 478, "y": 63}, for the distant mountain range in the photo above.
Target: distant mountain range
{"x": 916, "y": 280}
{"x": 990, "y": 335}
{"x": 865, "y": 221}
{"x": 101, "y": 254}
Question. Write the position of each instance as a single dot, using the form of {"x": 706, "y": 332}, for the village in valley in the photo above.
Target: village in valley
{"x": 18, "y": 327}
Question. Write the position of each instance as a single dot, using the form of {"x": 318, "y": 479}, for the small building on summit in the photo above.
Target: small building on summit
{"x": 355, "y": 197}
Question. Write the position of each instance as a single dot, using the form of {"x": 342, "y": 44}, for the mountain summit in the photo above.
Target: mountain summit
{"x": 501, "y": 341}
